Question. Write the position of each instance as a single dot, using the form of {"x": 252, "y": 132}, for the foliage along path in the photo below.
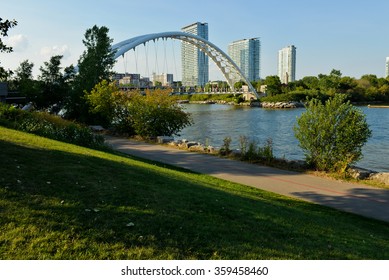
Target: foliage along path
{"x": 350, "y": 197}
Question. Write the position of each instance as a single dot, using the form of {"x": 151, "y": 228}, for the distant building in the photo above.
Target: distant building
{"x": 3, "y": 92}
{"x": 195, "y": 69}
{"x": 132, "y": 80}
{"x": 246, "y": 54}
{"x": 387, "y": 67}
{"x": 165, "y": 79}
{"x": 287, "y": 64}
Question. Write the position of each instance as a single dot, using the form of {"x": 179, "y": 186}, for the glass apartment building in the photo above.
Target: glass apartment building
{"x": 246, "y": 54}
{"x": 195, "y": 69}
{"x": 287, "y": 64}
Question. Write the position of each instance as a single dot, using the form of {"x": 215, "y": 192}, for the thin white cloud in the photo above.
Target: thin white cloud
{"x": 48, "y": 52}
{"x": 18, "y": 42}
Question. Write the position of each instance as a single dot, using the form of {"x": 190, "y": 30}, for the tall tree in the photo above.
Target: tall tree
{"x": 94, "y": 65}
{"x": 4, "y": 27}
{"x": 23, "y": 81}
{"x": 52, "y": 83}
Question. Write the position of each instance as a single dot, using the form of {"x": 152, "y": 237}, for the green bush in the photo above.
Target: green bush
{"x": 332, "y": 134}
{"x": 148, "y": 115}
{"x": 50, "y": 126}
{"x": 156, "y": 114}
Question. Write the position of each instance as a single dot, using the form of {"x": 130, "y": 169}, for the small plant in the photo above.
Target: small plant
{"x": 243, "y": 141}
{"x": 266, "y": 152}
{"x": 225, "y": 149}
{"x": 252, "y": 151}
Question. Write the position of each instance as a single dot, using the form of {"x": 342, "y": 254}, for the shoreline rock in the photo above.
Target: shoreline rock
{"x": 282, "y": 105}
{"x": 355, "y": 172}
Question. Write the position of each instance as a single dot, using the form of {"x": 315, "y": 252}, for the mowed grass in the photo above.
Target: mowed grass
{"x": 60, "y": 201}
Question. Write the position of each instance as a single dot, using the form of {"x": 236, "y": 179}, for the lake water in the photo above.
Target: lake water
{"x": 212, "y": 123}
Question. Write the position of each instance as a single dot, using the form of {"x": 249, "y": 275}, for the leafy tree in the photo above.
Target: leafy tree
{"x": 310, "y": 82}
{"x": 372, "y": 79}
{"x": 103, "y": 100}
{"x": 4, "y": 27}
{"x": 157, "y": 114}
{"x": 238, "y": 85}
{"x": 52, "y": 80}
{"x": 152, "y": 115}
{"x": 330, "y": 83}
{"x": 94, "y": 65}
{"x": 273, "y": 85}
{"x": 346, "y": 85}
{"x": 24, "y": 82}
{"x": 332, "y": 134}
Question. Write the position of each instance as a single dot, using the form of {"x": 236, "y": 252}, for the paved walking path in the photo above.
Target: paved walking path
{"x": 355, "y": 198}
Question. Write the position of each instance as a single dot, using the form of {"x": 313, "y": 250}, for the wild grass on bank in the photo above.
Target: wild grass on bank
{"x": 50, "y": 126}
{"x": 60, "y": 201}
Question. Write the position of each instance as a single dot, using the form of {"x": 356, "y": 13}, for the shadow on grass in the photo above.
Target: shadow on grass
{"x": 64, "y": 205}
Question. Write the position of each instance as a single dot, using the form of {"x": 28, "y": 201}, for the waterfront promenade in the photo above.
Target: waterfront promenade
{"x": 350, "y": 197}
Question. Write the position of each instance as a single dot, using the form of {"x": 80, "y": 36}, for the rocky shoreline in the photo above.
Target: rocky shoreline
{"x": 357, "y": 173}
{"x": 270, "y": 105}
{"x": 366, "y": 174}
{"x": 282, "y": 105}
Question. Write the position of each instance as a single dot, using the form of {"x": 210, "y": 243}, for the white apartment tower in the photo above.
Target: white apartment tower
{"x": 387, "y": 67}
{"x": 195, "y": 69}
{"x": 287, "y": 64}
{"x": 246, "y": 54}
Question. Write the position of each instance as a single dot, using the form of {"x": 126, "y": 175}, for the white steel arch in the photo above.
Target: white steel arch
{"x": 230, "y": 70}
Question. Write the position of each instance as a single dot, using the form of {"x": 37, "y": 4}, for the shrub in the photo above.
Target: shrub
{"x": 50, "y": 126}
{"x": 332, "y": 134}
{"x": 157, "y": 114}
{"x": 154, "y": 114}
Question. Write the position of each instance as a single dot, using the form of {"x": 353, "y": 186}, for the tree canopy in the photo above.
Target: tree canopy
{"x": 4, "y": 27}
{"x": 94, "y": 65}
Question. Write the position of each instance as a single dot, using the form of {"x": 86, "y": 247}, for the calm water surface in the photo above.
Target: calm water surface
{"x": 212, "y": 123}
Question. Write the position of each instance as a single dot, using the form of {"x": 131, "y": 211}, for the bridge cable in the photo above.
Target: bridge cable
{"x": 174, "y": 60}
{"x": 156, "y": 56}
{"x": 165, "y": 59}
{"x": 124, "y": 56}
{"x": 146, "y": 47}
{"x": 136, "y": 65}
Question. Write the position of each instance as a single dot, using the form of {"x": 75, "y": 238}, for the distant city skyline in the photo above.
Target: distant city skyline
{"x": 346, "y": 35}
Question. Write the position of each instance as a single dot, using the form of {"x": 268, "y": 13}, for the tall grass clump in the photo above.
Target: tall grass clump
{"x": 252, "y": 151}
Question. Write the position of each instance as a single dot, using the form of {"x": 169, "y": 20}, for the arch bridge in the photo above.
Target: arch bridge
{"x": 230, "y": 70}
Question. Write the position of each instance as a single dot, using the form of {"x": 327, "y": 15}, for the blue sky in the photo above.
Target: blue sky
{"x": 349, "y": 35}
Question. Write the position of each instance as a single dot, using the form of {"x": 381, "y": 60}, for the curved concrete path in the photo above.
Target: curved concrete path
{"x": 350, "y": 197}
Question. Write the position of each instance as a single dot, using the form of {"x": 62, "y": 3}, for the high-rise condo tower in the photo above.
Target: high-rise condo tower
{"x": 246, "y": 54}
{"x": 195, "y": 69}
{"x": 287, "y": 64}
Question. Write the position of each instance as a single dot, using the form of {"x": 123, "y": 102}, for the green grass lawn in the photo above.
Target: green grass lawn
{"x": 60, "y": 201}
